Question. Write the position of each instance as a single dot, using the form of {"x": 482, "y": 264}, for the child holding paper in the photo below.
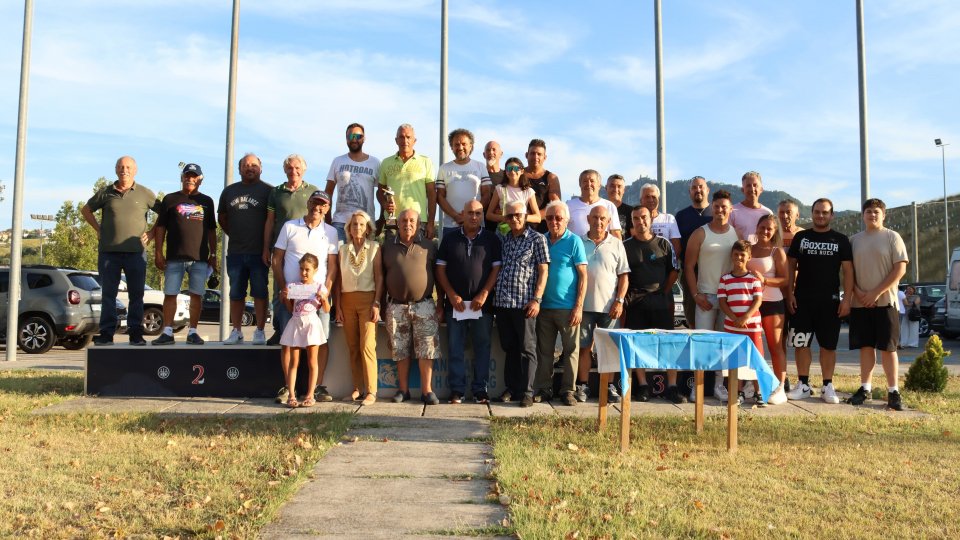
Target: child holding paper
{"x": 304, "y": 331}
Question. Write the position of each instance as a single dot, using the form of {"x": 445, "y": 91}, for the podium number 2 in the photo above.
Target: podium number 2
{"x": 199, "y": 378}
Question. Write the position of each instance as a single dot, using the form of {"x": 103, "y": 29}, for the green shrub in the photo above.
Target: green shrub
{"x": 927, "y": 373}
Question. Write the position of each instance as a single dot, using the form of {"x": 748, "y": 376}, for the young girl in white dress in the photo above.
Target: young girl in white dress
{"x": 304, "y": 331}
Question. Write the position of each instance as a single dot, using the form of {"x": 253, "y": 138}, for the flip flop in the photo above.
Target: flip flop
{"x": 308, "y": 402}
{"x": 292, "y": 403}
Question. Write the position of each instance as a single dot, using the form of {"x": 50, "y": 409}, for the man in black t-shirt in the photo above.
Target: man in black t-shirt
{"x": 188, "y": 224}
{"x": 815, "y": 259}
{"x": 545, "y": 184}
{"x": 616, "y": 186}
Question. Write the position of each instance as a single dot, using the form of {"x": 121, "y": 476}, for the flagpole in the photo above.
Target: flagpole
{"x": 225, "y": 326}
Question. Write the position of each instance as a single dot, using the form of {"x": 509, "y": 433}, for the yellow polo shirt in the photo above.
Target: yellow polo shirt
{"x": 408, "y": 180}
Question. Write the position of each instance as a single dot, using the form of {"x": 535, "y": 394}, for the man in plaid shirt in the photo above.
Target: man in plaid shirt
{"x": 519, "y": 291}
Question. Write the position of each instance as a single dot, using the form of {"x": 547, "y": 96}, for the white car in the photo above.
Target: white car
{"x": 153, "y": 308}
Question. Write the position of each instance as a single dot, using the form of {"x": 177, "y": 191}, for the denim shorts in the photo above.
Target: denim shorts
{"x": 243, "y": 269}
{"x": 173, "y": 277}
{"x": 590, "y": 321}
{"x": 341, "y": 230}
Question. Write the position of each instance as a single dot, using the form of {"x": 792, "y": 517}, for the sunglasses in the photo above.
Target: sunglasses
{"x": 514, "y": 168}
{"x": 515, "y": 216}
{"x": 354, "y": 136}
{"x": 554, "y": 217}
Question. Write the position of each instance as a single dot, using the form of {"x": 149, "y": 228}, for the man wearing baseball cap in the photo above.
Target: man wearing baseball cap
{"x": 297, "y": 237}
{"x": 189, "y": 225}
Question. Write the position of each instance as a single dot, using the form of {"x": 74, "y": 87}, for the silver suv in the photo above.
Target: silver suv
{"x": 57, "y": 305}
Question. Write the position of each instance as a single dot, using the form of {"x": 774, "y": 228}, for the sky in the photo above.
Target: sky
{"x": 749, "y": 85}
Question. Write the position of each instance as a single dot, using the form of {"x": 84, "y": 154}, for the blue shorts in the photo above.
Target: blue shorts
{"x": 590, "y": 321}
{"x": 173, "y": 277}
{"x": 243, "y": 269}
{"x": 341, "y": 230}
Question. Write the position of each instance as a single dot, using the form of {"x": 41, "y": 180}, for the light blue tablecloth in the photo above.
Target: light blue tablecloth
{"x": 620, "y": 350}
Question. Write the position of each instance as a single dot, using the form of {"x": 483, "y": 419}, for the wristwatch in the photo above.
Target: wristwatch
{"x": 538, "y": 299}
{"x": 620, "y": 299}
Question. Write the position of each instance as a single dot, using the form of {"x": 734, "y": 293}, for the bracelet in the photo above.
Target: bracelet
{"x": 376, "y": 303}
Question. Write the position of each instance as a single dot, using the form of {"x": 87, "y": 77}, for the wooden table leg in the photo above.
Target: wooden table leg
{"x": 732, "y": 410}
{"x": 698, "y": 393}
{"x": 602, "y": 415}
{"x": 625, "y": 412}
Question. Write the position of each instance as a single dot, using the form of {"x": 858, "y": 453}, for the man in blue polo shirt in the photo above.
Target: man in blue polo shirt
{"x": 562, "y": 307}
{"x": 472, "y": 255}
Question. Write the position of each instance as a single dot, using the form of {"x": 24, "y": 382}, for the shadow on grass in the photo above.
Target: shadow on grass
{"x": 35, "y": 383}
{"x": 323, "y": 425}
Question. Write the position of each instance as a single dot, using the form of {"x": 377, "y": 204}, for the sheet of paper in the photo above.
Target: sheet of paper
{"x": 467, "y": 314}
{"x": 301, "y": 291}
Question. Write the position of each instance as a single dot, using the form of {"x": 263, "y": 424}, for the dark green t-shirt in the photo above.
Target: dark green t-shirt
{"x": 124, "y": 216}
{"x": 246, "y": 209}
{"x": 287, "y": 205}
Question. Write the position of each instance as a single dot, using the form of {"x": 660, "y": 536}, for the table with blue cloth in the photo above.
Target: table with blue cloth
{"x": 623, "y": 351}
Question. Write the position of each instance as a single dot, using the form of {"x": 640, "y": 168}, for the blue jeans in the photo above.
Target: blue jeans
{"x": 110, "y": 265}
{"x": 341, "y": 232}
{"x": 479, "y": 331}
{"x": 245, "y": 268}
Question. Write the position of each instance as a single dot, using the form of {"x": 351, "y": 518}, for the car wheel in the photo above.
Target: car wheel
{"x": 247, "y": 319}
{"x": 75, "y": 343}
{"x": 924, "y": 327}
{"x": 36, "y": 335}
{"x": 152, "y": 321}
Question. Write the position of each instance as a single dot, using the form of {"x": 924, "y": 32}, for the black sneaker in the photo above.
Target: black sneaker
{"x": 430, "y": 399}
{"x": 137, "y": 341}
{"x": 456, "y": 398}
{"x": 859, "y": 397}
{"x": 673, "y": 395}
{"x": 282, "y": 395}
{"x": 505, "y": 397}
{"x": 274, "y": 339}
{"x": 612, "y": 395}
{"x": 527, "y": 401}
{"x": 644, "y": 393}
{"x": 321, "y": 394}
{"x": 481, "y": 397}
{"x": 894, "y": 401}
{"x": 164, "y": 339}
{"x": 401, "y": 396}
{"x": 194, "y": 339}
{"x": 103, "y": 341}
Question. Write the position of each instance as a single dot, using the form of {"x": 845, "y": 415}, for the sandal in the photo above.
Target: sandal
{"x": 292, "y": 403}
{"x": 369, "y": 400}
{"x": 355, "y": 396}
{"x": 308, "y": 402}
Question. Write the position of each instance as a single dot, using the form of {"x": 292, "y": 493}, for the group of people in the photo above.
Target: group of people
{"x": 510, "y": 250}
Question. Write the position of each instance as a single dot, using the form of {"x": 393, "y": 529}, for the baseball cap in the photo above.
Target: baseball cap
{"x": 192, "y": 168}
{"x": 322, "y": 195}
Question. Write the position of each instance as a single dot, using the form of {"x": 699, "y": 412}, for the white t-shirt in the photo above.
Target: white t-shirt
{"x": 356, "y": 181}
{"x": 745, "y": 219}
{"x": 579, "y": 211}
{"x": 462, "y": 183}
{"x": 298, "y": 239}
{"x": 665, "y": 226}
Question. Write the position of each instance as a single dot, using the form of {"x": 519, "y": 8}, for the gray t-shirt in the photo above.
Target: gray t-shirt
{"x": 124, "y": 217}
{"x": 246, "y": 209}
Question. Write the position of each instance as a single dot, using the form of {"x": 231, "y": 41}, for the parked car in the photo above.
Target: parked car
{"x": 57, "y": 305}
{"x": 153, "y": 308}
{"x": 210, "y": 312}
{"x": 679, "y": 319}
{"x": 939, "y": 319}
{"x": 929, "y": 293}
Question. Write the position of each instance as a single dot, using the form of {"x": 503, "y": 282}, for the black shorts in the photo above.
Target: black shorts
{"x": 638, "y": 318}
{"x": 815, "y": 317}
{"x": 877, "y": 327}
{"x": 772, "y": 308}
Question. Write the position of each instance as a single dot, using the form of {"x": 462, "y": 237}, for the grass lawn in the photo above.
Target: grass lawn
{"x": 144, "y": 475}
{"x": 863, "y": 476}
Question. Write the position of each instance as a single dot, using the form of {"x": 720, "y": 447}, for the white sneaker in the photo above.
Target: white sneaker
{"x": 259, "y": 337}
{"x": 693, "y": 394}
{"x": 829, "y": 395}
{"x": 749, "y": 391}
{"x": 800, "y": 391}
{"x": 236, "y": 338}
{"x": 778, "y": 397}
{"x": 720, "y": 392}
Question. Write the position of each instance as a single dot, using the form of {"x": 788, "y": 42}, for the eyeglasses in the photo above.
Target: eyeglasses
{"x": 514, "y": 168}
{"x": 515, "y": 216}
{"x": 554, "y": 217}
{"x": 354, "y": 136}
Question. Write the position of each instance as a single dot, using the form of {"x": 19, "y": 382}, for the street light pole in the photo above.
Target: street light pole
{"x": 41, "y": 218}
{"x": 946, "y": 209}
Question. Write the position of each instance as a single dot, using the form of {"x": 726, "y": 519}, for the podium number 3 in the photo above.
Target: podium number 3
{"x": 199, "y": 378}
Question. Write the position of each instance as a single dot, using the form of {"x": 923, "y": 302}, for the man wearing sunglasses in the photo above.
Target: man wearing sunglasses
{"x": 353, "y": 176}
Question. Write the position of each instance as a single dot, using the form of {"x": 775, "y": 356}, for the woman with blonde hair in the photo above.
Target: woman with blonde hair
{"x": 360, "y": 286}
{"x": 769, "y": 263}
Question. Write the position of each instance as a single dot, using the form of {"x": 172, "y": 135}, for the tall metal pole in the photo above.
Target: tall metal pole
{"x": 444, "y": 24}
{"x": 946, "y": 209}
{"x": 916, "y": 245}
{"x": 862, "y": 76}
{"x": 225, "y": 326}
{"x": 661, "y": 160}
{"x": 16, "y": 239}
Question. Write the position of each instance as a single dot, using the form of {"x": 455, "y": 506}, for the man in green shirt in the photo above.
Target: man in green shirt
{"x": 122, "y": 233}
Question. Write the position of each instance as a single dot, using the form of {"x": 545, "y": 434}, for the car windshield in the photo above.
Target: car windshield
{"x": 84, "y": 281}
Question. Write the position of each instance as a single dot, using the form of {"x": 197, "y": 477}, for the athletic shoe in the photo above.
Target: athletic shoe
{"x": 800, "y": 391}
{"x": 259, "y": 337}
{"x": 581, "y": 392}
{"x": 673, "y": 395}
{"x": 481, "y": 397}
{"x": 740, "y": 398}
{"x": 748, "y": 390}
{"x": 829, "y": 395}
{"x": 321, "y": 394}
{"x": 430, "y": 399}
{"x": 235, "y": 338}
{"x": 194, "y": 339}
{"x": 859, "y": 397}
{"x": 102, "y": 341}
{"x": 644, "y": 393}
{"x": 894, "y": 401}
{"x": 401, "y": 396}
{"x": 164, "y": 339}
{"x": 569, "y": 399}
{"x": 786, "y": 385}
{"x": 456, "y": 398}
{"x": 137, "y": 341}
{"x": 274, "y": 339}
{"x": 720, "y": 391}
{"x": 778, "y": 397}
{"x": 505, "y": 397}
{"x": 282, "y": 395}
{"x": 612, "y": 395}
{"x": 527, "y": 401}
{"x": 758, "y": 401}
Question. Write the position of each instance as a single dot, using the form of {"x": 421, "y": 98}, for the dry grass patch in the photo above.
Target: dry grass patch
{"x": 120, "y": 475}
{"x": 863, "y": 476}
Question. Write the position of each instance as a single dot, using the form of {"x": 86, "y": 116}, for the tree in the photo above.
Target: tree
{"x": 73, "y": 242}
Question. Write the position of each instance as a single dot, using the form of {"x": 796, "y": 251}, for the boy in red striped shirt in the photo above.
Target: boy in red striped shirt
{"x": 740, "y": 295}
